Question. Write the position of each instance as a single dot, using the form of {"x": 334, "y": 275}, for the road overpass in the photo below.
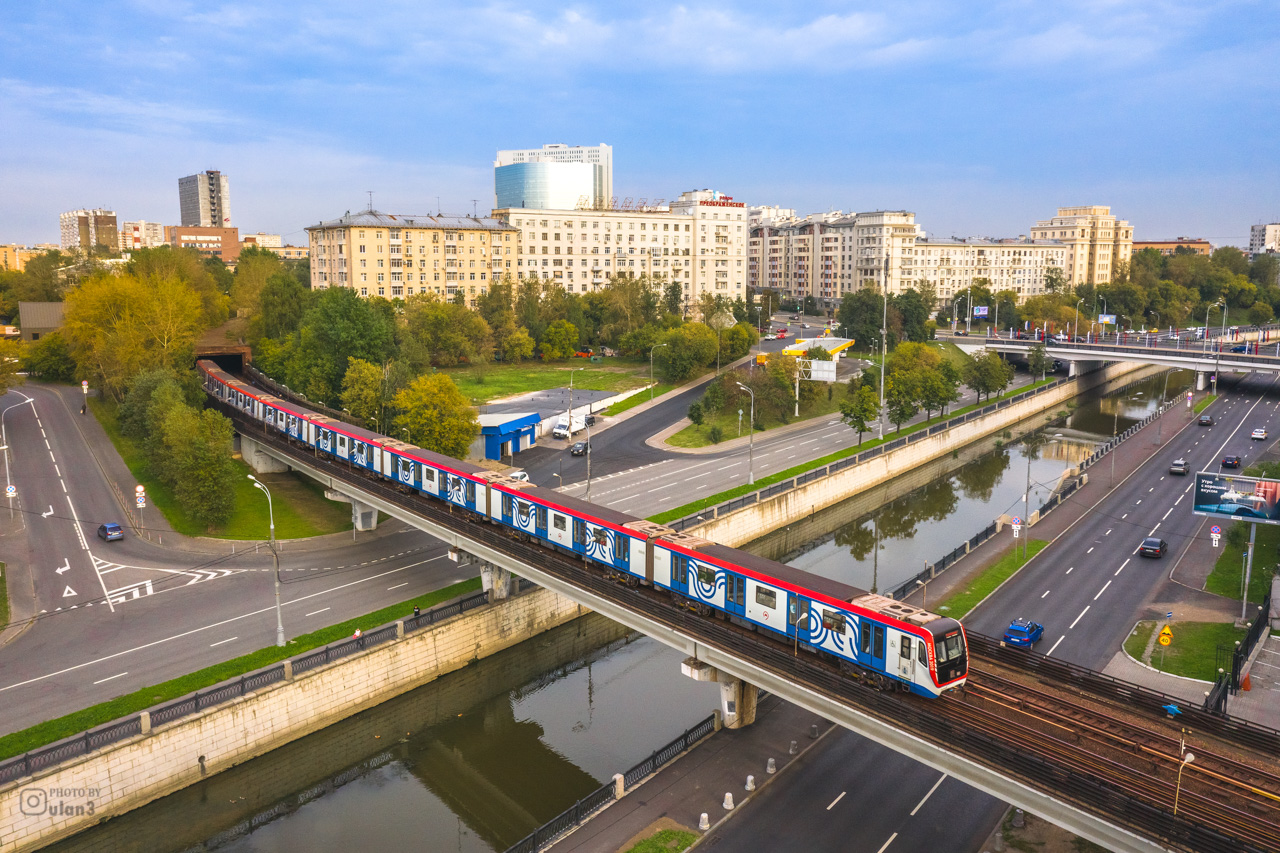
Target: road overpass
{"x": 1067, "y": 795}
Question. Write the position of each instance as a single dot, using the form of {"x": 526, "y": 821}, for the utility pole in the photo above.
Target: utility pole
{"x": 884, "y": 337}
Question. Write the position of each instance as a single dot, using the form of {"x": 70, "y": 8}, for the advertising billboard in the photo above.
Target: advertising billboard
{"x": 1107, "y": 319}
{"x": 979, "y": 311}
{"x": 1232, "y": 496}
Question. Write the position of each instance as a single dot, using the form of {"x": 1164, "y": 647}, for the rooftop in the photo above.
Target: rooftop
{"x": 378, "y": 219}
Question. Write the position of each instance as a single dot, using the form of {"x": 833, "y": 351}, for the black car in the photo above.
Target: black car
{"x": 1206, "y": 420}
{"x": 1153, "y": 546}
{"x": 1231, "y": 461}
{"x": 580, "y": 448}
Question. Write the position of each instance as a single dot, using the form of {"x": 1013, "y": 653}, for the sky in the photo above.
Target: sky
{"x": 980, "y": 118}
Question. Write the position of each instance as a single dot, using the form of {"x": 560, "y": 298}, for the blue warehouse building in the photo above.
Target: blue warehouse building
{"x": 506, "y": 434}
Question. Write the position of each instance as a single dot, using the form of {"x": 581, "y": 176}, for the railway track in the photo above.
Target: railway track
{"x": 1110, "y": 766}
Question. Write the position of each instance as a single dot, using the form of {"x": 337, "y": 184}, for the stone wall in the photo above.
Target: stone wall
{"x": 79, "y": 793}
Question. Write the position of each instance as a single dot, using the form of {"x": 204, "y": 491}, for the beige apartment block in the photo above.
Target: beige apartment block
{"x": 390, "y": 255}
{"x": 1020, "y": 265}
{"x": 141, "y": 235}
{"x": 1097, "y": 242}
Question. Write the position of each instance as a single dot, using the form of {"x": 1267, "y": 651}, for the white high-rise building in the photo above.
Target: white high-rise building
{"x": 204, "y": 200}
{"x": 1264, "y": 238}
{"x": 554, "y": 177}
{"x": 141, "y": 235}
{"x": 86, "y": 230}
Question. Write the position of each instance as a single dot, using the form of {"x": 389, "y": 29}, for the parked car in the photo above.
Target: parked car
{"x": 1206, "y": 420}
{"x": 782, "y": 334}
{"x": 110, "y": 531}
{"x": 1023, "y": 632}
{"x": 1259, "y": 434}
{"x": 1231, "y": 461}
{"x": 590, "y": 420}
{"x": 580, "y": 448}
{"x": 1153, "y": 546}
{"x": 519, "y": 476}
{"x": 1179, "y": 466}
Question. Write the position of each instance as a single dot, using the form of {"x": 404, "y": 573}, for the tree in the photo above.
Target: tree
{"x": 1260, "y": 313}
{"x": 1055, "y": 280}
{"x": 914, "y": 314}
{"x": 860, "y": 315}
{"x": 988, "y": 374}
{"x": 282, "y": 302}
{"x": 559, "y": 341}
{"x": 688, "y": 347}
{"x": 437, "y": 416}
{"x": 200, "y": 467}
{"x": 362, "y": 394}
{"x": 934, "y": 391}
{"x": 254, "y": 267}
{"x": 901, "y": 397}
{"x": 673, "y": 299}
{"x": 696, "y": 413}
{"x": 738, "y": 341}
{"x": 517, "y": 346}
{"x": 50, "y": 359}
{"x": 11, "y": 353}
{"x": 340, "y": 325}
{"x": 859, "y": 409}
{"x": 1038, "y": 360}
{"x": 444, "y": 333}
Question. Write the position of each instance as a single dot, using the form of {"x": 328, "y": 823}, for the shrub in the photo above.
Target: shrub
{"x": 716, "y": 435}
{"x": 695, "y": 413}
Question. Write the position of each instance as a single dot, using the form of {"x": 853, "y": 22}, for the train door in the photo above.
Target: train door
{"x": 342, "y": 446}
{"x": 735, "y": 600}
{"x": 799, "y": 619}
{"x": 906, "y": 656}
{"x": 871, "y": 644}
{"x": 680, "y": 573}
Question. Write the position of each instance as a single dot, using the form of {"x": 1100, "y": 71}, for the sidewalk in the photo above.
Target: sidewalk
{"x": 696, "y": 782}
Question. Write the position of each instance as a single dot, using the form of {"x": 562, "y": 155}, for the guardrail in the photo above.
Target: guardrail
{"x": 606, "y": 794}
{"x": 126, "y": 727}
{"x": 799, "y": 480}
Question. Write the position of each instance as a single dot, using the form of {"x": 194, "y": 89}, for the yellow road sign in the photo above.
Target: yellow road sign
{"x": 1166, "y": 636}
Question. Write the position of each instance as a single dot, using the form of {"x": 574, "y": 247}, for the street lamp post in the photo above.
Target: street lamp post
{"x": 751, "y": 438}
{"x": 4, "y": 440}
{"x": 651, "y": 349}
{"x": 572, "y": 371}
{"x": 275, "y": 557}
{"x": 1076, "y": 334}
{"x": 955, "y": 319}
{"x": 1186, "y": 759}
{"x": 924, "y": 601}
{"x": 884, "y": 336}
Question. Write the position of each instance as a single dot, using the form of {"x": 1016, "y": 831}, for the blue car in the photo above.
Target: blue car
{"x": 110, "y": 531}
{"x": 1023, "y": 632}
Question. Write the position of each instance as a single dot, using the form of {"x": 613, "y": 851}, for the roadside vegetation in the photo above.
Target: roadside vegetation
{"x": 665, "y": 841}
{"x": 4, "y": 595}
{"x": 1227, "y": 577}
{"x": 1192, "y": 653}
{"x": 1204, "y": 403}
{"x": 958, "y": 604}
{"x": 123, "y": 706}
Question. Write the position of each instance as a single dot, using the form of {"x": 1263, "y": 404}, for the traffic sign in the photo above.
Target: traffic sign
{"x": 1016, "y": 521}
{"x": 1169, "y": 615}
{"x": 1166, "y": 636}
{"x": 142, "y": 502}
{"x": 1215, "y": 530}
{"x": 139, "y": 490}
{"x": 10, "y": 491}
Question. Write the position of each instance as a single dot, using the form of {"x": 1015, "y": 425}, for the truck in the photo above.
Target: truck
{"x": 565, "y": 427}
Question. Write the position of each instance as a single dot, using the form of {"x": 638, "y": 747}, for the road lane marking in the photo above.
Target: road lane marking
{"x": 1046, "y": 592}
{"x": 1150, "y": 490}
{"x": 397, "y": 586}
{"x": 1101, "y": 591}
{"x": 321, "y": 610}
{"x": 1078, "y": 618}
{"x": 1069, "y": 568}
{"x": 1179, "y": 500}
{"x": 1090, "y": 551}
{"x": 887, "y": 843}
{"x": 1108, "y": 533}
{"x": 1122, "y": 565}
{"x": 1139, "y": 501}
{"x": 1154, "y": 529}
{"x": 220, "y": 642}
{"x": 1166, "y": 515}
{"x": 1123, "y": 517}
{"x": 836, "y": 800}
{"x": 928, "y": 795}
{"x": 103, "y": 681}
{"x": 1055, "y": 645}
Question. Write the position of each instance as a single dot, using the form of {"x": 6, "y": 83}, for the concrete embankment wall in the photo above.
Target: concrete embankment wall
{"x": 759, "y": 519}
{"x": 79, "y": 793}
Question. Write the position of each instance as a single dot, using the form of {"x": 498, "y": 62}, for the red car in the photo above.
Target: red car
{"x": 782, "y": 334}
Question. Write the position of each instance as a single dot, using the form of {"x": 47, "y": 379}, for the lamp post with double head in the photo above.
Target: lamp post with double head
{"x": 751, "y": 438}
{"x": 275, "y": 556}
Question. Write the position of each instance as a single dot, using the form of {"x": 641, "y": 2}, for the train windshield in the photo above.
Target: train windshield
{"x": 950, "y": 647}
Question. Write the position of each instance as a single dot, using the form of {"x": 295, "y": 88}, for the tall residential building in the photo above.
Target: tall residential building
{"x": 141, "y": 235}
{"x": 769, "y": 213}
{"x": 381, "y": 254}
{"x": 1264, "y": 238}
{"x": 1097, "y": 241}
{"x": 205, "y": 200}
{"x": 554, "y": 177}
{"x": 1017, "y": 264}
{"x": 84, "y": 230}
{"x": 699, "y": 242}
{"x": 221, "y": 243}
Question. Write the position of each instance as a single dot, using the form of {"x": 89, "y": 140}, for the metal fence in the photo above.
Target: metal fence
{"x": 775, "y": 489}
{"x": 117, "y": 730}
{"x": 583, "y": 809}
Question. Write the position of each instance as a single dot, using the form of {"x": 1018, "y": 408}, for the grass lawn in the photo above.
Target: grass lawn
{"x": 4, "y": 596}
{"x": 54, "y": 730}
{"x": 960, "y": 603}
{"x": 1194, "y": 650}
{"x": 736, "y": 491}
{"x": 1136, "y": 643}
{"x": 636, "y": 399}
{"x": 1227, "y": 577}
{"x": 1204, "y": 404}
{"x": 497, "y": 381}
{"x": 696, "y": 435}
{"x": 666, "y": 841}
{"x": 301, "y": 509}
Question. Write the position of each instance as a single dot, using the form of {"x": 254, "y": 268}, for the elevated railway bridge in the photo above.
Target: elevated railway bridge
{"x": 1096, "y": 756}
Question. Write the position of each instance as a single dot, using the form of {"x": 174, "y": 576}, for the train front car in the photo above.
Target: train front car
{"x": 949, "y": 656}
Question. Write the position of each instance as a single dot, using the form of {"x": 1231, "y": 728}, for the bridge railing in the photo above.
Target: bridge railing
{"x": 226, "y": 691}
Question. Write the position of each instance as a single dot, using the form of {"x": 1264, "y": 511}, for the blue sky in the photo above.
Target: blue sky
{"x": 981, "y": 118}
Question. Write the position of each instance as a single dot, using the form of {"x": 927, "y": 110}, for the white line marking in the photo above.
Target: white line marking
{"x": 397, "y": 586}
{"x": 836, "y": 800}
{"x": 1090, "y": 551}
{"x": 1101, "y": 591}
{"x": 1108, "y": 533}
{"x": 1166, "y": 515}
{"x": 322, "y": 610}
{"x": 1122, "y": 565}
{"x": 1046, "y": 593}
{"x": 220, "y": 642}
{"x": 1078, "y": 618}
{"x": 1139, "y": 501}
{"x": 1154, "y": 529}
{"x": 1069, "y": 568}
{"x": 1123, "y": 517}
{"x": 926, "y": 796}
{"x": 121, "y": 675}
{"x": 1055, "y": 645}
{"x": 1179, "y": 500}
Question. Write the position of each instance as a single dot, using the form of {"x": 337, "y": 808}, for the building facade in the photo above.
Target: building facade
{"x": 699, "y": 241}
{"x": 1264, "y": 238}
{"x": 1169, "y": 247}
{"x": 15, "y": 257}
{"x": 265, "y": 241}
{"x": 204, "y": 200}
{"x": 1016, "y": 264}
{"x": 141, "y": 235}
{"x": 381, "y": 254}
{"x": 1097, "y": 242}
{"x": 512, "y": 192}
{"x": 84, "y": 230}
{"x": 221, "y": 243}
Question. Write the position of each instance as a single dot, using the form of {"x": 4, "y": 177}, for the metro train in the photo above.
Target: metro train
{"x": 889, "y": 643}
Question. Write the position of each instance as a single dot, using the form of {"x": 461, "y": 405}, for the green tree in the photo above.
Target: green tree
{"x": 444, "y": 333}
{"x": 860, "y": 314}
{"x": 517, "y": 346}
{"x": 859, "y": 408}
{"x": 437, "y": 416}
{"x": 50, "y": 359}
{"x": 282, "y": 302}
{"x": 1055, "y": 280}
{"x": 1260, "y": 313}
{"x": 901, "y": 397}
{"x": 559, "y": 341}
{"x": 254, "y": 267}
{"x": 688, "y": 348}
{"x": 934, "y": 392}
{"x": 914, "y": 315}
{"x": 1038, "y": 360}
{"x": 339, "y": 326}
{"x": 988, "y": 374}
{"x": 201, "y": 471}
{"x": 673, "y": 299}
{"x": 696, "y": 413}
{"x": 362, "y": 393}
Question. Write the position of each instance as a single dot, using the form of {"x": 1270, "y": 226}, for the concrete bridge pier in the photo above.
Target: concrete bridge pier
{"x": 1080, "y": 368}
{"x": 494, "y": 580}
{"x": 363, "y": 516}
{"x": 738, "y": 698}
{"x": 1202, "y": 380}
{"x": 258, "y": 459}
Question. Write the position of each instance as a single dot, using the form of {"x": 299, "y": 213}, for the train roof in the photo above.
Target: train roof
{"x": 783, "y": 572}
{"x": 579, "y": 506}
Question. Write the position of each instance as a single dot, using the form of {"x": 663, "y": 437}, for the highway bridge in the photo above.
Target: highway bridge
{"x": 1117, "y": 791}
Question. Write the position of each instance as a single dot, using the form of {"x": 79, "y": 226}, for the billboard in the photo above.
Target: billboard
{"x": 1106, "y": 319}
{"x": 979, "y": 311}
{"x": 1232, "y": 496}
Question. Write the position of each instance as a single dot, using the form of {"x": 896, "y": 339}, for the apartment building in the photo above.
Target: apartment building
{"x": 1169, "y": 247}
{"x": 85, "y": 230}
{"x": 554, "y": 177}
{"x": 698, "y": 241}
{"x": 390, "y": 255}
{"x": 1018, "y": 264}
{"x": 1264, "y": 238}
{"x": 141, "y": 235}
{"x": 1097, "y": 242}
{"x": 15, "y": 257}
{"x": 204, "y": 200}
{"x": 220, "y": 243}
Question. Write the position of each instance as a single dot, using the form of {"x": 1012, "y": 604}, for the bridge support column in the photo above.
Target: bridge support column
{"x": 495, "y": 580}
{"x": 363, "y": 516}
{"x": 256, "y": 458}
{"x": 737, "y": 697}
{"x": 1202, "y": 380}
{"x": 1080, "y": 368}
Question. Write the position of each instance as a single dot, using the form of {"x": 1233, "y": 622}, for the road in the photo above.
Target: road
{"x": 112, "y": 617}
